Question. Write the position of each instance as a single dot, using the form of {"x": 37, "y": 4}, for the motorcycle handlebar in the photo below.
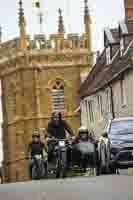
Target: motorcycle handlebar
{"x": 56, "y": 139}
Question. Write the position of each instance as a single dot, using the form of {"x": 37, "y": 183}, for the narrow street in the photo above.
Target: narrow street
{"x": 97, "y": 188}
{"x": 66, "y": 76}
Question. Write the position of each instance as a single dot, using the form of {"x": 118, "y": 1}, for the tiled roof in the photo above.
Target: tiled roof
{"x": 101, "y": 74}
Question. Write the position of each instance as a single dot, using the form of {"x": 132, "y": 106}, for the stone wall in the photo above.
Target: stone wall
{"x": 27, "y": 78}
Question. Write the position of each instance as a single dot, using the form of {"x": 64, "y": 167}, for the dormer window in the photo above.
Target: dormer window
{"x": 108, "y": 42}
{"x": 108, "y": 55}
{"x": 123, "y": 30}
{"x": 121, "y": 46}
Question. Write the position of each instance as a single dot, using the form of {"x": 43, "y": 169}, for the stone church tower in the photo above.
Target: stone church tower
{"x": 38, "y": 77}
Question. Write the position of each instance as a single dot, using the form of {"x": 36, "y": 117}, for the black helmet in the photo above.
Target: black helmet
{"x": 54, "y": 114}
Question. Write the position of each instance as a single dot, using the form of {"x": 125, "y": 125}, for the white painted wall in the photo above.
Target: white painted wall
{"x": 99, "y": 120}
{"x": 124, "y": 110}
{"x": 120, "y": 110}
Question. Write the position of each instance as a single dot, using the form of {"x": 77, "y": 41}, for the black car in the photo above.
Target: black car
{"x": 116, "y": 145}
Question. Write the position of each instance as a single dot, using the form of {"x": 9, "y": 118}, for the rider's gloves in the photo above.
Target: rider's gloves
{"x": 73, "y": 137}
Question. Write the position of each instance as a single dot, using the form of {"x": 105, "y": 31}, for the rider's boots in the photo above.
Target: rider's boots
{"x": 46, "y": 169}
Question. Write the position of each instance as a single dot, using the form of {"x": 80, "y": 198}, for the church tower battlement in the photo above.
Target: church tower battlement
{"x": 75, "y": 47}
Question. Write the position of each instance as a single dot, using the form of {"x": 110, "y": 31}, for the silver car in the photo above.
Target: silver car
{"x": 116, "y": 145}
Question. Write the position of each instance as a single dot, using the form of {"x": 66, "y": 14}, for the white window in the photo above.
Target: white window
{"x": 108, "y": 107}
{"x": 122, "y": 91}
{"x": 108, "y": 56}
{"x": 87, "y": 111}
{"x": 100, "y": 105}
{"x": 58, "y": 97}
{"x": 121, "y": 47}
{"x": 90, "y": 109}
{"x": 83, "y": 113}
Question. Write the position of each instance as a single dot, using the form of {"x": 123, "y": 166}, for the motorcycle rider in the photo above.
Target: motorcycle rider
{"x": 57, "y": 128}
{"x": 36, "y": 147}
{"x": 80, "y": 151}
{"x": 84, "y": 135}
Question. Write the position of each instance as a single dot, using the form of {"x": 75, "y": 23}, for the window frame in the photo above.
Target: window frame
{"x": 90, "y": 109}
{"x": 100, "y": 105}
{"x": 108, "y": 55}
{"x": 122, "y": 91}
{"x": 121, "y": 46}
{"x": 58, "y": 96}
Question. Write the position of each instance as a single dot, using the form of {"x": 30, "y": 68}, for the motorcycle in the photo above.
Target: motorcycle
{"x": 38, "y": 170}
{"x": 60, "y": 157}
{"x": 83, "y": 157}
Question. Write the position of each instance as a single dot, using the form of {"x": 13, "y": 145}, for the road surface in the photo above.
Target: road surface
{"x": 88, "y": 188}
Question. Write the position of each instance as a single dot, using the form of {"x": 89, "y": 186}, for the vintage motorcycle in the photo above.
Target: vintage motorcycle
{"x": 38, "y": 171}
{"x": 59, "y": 157}
{"x": 84, "y": 156}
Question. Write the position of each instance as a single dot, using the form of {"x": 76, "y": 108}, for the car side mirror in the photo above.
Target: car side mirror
{"x": 105, "y": 135}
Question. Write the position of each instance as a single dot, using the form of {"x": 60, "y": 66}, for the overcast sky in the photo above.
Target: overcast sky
{"x": 104, "y": 13}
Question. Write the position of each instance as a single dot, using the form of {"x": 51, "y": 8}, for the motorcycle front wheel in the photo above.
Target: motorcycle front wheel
{"x": 61, "y": 166}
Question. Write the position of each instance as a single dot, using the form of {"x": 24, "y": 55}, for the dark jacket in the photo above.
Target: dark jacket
{"x": 36, "y": 149}
{"x": 58, "y": 131}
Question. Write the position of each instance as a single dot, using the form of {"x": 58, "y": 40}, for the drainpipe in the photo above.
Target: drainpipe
{"x": 112, "y": 101}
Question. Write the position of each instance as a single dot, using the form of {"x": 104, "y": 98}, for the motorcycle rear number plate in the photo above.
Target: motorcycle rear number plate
{"x": 61, "y": 143}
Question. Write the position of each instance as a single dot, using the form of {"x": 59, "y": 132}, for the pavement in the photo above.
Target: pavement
{"x": 116, "y": 187}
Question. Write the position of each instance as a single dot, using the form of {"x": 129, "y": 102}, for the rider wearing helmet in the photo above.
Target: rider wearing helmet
{"x": 36, "y": 147}
{"x": 57, "y": 127}
{"x": 84, "y": 135}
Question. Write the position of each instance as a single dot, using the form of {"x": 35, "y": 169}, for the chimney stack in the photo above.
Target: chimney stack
{"x": 128, "y": 4}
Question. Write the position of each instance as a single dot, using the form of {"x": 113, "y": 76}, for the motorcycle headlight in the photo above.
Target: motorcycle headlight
{"x": 115, "y": 143}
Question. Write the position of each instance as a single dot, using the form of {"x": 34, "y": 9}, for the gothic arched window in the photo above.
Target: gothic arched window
{"x": 58, "y": 96}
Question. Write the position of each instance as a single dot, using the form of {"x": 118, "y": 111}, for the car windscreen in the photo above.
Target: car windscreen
{"x": 121, "y": 127}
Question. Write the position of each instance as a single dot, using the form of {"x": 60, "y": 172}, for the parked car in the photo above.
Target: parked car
{"x": 115, "y": 146}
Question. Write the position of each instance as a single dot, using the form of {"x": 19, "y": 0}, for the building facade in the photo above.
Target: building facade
{"x": 38, "y": 77}
{"x": 107, "y": 91}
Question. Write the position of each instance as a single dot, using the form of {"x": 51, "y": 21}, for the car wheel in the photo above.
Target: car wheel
{"x": 103, "y": 169}
{"x": 112, "y": 170}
